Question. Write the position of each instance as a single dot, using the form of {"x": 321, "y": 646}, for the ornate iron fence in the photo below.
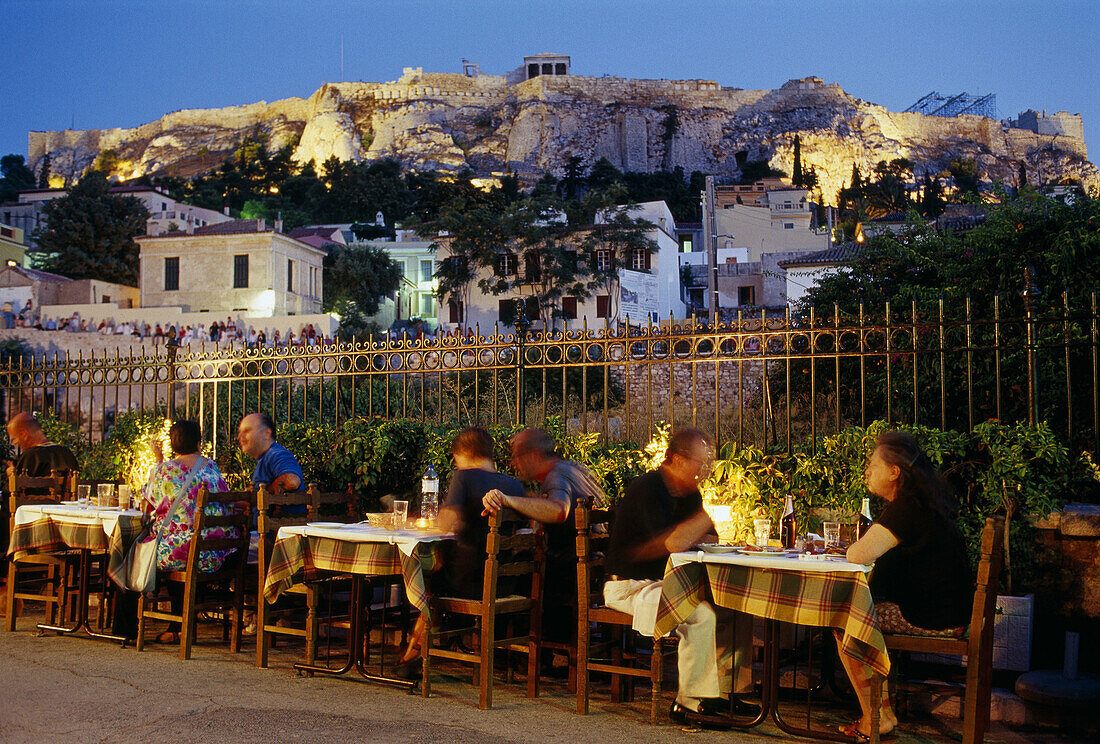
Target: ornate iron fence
{"x": 759, "y": 379}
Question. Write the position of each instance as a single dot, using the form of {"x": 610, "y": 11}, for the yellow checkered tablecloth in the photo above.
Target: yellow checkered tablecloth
{"x": 51, "y": 528}
{"x": 357, "y": 550}
{"x": 789, "y": 592}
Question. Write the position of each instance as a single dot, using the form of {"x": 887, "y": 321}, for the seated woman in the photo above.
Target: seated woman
{"x": 171, "y": 492}
{"x": 461, "y": 513}
{"x": 922, "y": 582}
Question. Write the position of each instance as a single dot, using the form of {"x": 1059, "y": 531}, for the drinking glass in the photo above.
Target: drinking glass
{"x": 105, "y": 493}
{"x": 762, "y": 530}
{"x": 400, "y": 514}
{"x": 123, "y": 496}
{"x": 83, "y": 494}
{"x": 832, "y": 534}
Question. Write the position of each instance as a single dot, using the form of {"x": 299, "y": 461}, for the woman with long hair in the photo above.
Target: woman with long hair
{"x": 922, "y": 583}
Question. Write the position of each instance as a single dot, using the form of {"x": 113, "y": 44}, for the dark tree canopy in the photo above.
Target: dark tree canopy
{"x": 90, "y": 232}
{"x": 14, "y": 177}
{"x": 357, "y": 280}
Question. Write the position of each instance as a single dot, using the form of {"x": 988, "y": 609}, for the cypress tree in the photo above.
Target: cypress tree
{"x": 797, "y": 178}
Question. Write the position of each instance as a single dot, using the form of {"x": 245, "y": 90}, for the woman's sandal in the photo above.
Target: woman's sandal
{"x": 169, "y": 636}
{"x": 852, "y": 730}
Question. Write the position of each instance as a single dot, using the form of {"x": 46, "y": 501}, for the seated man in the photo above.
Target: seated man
{"x": 662, "y": 513}
{"x": 276, "y": 467}
{"x": 39, "y": 456}
{"x": 461, "y": 513}
{"x": 562, "y": 485}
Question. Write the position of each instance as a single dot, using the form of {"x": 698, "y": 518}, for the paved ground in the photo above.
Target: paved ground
{"x": 77, "y": 690}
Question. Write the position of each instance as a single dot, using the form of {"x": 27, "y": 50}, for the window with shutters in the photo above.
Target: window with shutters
{"x": 240, "y": 271}
{"x": 569, "y": 307}
{"x": 506, "y": 264}
{"x": 602, "y": 259}
{"x": 603, "y": 306}
{"x": 171, "y": 274}
{"x": 639, "y": 259}
{"x": 454, "y": 312}
{"x": 534, "y": 268}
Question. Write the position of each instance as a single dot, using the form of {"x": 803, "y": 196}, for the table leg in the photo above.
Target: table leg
{"x": 771, "y": 666}
{"x": 82, "y": 599}
{"x": 356, "y": 651}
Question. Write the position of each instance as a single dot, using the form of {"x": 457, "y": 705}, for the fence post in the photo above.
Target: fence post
{"x": 1030, "y": 294}
{"x": 172, "y": 347}
{"x": 521, "y": 325}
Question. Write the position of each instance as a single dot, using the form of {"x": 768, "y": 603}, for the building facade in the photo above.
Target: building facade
{"x": 241, "y": 266}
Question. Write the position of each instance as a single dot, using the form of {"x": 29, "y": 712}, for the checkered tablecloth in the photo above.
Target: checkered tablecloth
{"x": 838, "y": 599}
{"x": 52, "y": 528}
{"x": 363, "y": 551}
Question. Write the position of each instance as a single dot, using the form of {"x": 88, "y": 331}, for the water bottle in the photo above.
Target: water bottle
{"x": 429, "y": 495}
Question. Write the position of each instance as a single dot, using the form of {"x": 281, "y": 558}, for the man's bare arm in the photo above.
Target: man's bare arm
{"x": 546, "y": 510}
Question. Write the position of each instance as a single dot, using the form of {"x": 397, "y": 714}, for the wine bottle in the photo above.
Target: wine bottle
{"x": 864, "y": 518}
{"x": 787, "y": 525}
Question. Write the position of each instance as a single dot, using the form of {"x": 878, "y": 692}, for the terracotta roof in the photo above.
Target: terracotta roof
{"x": 317, "y": 241}
{"x": 233, "y": 227}
{"x": 837, "y": 254}
{"x": 39, "y": 275}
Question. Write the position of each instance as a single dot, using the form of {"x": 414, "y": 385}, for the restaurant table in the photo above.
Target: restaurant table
{"x": 48, "y": 528}
{"x": 821, "y": 591}
{"x": 362, "y": 551}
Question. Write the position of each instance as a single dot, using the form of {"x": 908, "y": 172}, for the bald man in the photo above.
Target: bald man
{"x": 38, "y": 456}
{"x": 276, "y": 467}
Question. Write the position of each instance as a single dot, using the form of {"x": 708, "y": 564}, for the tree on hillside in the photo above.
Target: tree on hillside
{"x": 44, "y": 172}
{"x": 796, "y": 177}
{"x": 89, "y": 233}
{"x": 357, "y": 279}
{"x": 967, "y": 177}
{"x": 14, "y": 177}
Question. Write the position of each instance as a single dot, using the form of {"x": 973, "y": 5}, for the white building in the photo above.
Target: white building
{"x": 166, "y": 214}
{"x": 646, "y": 286}
{"x": 416, "y": 297}
{"x": 239, "y": 267}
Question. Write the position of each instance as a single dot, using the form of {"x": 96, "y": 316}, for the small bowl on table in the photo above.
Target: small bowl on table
{"x": 381, "y": 520}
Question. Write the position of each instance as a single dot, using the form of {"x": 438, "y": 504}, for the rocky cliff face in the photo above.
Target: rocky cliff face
{"x": 450, "y": 122}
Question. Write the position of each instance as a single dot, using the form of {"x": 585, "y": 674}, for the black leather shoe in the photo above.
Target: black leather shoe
{"x": 687, "y": 717}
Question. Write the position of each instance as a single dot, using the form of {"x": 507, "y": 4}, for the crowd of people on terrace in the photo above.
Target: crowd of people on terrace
{"x": 219, "y": 333}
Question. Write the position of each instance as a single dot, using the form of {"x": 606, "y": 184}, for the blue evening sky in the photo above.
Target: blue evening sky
{"x": 100, "y": 64}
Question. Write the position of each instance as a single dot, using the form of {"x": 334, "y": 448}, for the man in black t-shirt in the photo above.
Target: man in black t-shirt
{"x": 39, "y": 458}
{"x": 662, "y": 513}
{"x": 461, "y": 513}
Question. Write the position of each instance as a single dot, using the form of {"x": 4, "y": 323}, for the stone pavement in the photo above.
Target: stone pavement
{"x": 76, "y": 690}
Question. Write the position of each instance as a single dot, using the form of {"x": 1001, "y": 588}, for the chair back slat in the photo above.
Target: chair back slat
{"x": 989, "y": 577}
{"x": 338, "y": 506}
{"x": 241, "y": 519}
{"x": 512, "y": 555}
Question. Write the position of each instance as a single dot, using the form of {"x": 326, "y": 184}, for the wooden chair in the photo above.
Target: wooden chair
{"x": 339, "y": 507}
{"x": 593, "y": 532}
{"x": 38, "y": 578}
{"x": 976, "y": 645}
{"x": 230, "y": 576}
{"x": 511, "y": 552}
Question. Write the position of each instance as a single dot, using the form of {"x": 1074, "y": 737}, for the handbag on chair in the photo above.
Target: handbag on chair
{"x": 140, "y": 564}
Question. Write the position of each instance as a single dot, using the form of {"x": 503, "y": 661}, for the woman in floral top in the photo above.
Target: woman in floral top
{"x": 191, "y": 471}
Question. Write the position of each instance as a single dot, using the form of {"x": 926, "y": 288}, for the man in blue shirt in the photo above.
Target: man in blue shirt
{"x": 276, "y": 468}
